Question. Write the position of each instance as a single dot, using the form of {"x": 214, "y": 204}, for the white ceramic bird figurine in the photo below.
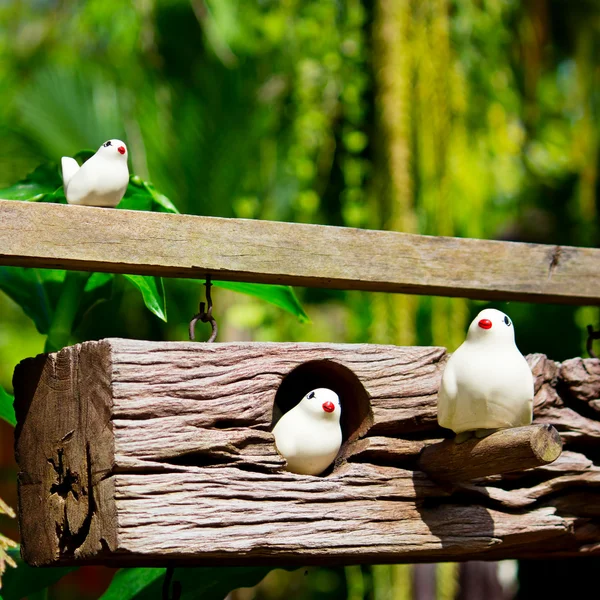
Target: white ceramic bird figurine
{"x": 101, "y": 180}
{"x": 487, "y": 383}
{"x": 309, "y": 436}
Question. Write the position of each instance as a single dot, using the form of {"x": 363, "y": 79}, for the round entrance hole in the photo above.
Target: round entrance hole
{"x": 357, "y": 416}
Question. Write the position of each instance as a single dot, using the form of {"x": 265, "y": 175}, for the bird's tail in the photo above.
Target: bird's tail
{"x": 69, "y": 168}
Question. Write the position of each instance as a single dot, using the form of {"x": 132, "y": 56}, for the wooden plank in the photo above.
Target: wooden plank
{"x": 120, "y": 241}
{"x": 182, "y": 465}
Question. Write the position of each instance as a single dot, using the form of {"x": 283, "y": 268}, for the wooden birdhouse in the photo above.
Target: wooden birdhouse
{"x": 137, "y": 452}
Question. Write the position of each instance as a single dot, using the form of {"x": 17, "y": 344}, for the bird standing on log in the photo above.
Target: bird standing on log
{"x": 487, "y": 384}
{"x": 100, "y": 181}
{"x": 309, "y": 436}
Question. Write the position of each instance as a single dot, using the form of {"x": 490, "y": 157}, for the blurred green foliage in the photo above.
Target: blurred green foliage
{"x": 443, "y": 117}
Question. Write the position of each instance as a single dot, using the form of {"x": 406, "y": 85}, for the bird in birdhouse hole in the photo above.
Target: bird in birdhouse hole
{"x": 487, "y": 384}
{"x": 309, "y": 436}
{"x": 101, "y": 180}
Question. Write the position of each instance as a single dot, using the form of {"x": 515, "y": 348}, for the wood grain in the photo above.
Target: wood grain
{"x": 179, "y": 435}
{"x": 120, "y": 241}
{"x": 65, "y": 452}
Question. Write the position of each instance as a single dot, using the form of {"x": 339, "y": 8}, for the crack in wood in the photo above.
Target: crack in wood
{"x": 210, "y": 458}
{"x": 555, "y": 256}
{"x": 67, "y": 480}
{"x": 70, "y": 541}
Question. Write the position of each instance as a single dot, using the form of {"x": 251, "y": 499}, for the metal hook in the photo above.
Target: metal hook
{"x": 205, "y": 316}
{"x": 592, "y": 335}
{"x": 167, "y": 585}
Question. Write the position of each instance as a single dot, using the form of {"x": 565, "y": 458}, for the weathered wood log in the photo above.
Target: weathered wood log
{"x": 502, "y": 452}
{"x": 84, "y": 238}
{"x": 140, "y": 453}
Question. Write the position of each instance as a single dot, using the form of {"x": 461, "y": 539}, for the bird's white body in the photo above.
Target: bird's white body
{"x": 100, "y": 181}
{"x": 309, "y": 437}
{"x": 487, "y": 383}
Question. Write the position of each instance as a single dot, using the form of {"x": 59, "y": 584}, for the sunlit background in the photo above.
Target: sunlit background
{"x": 475, "y": 118}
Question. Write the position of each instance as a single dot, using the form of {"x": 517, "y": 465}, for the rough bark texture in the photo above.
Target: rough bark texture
{"x": 86, "y": 238}
{"x": 502, "y": 452}
{"x": 167, "y": 455}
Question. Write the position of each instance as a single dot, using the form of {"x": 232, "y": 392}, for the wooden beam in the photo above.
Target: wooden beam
{"x": 120, "y": 241}
{"x": 502, "y": 452}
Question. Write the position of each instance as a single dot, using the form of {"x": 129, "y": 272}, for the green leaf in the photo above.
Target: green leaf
{"x": 83, "y": 156}
{"x": 34, "y": 290}
{"x": 139, "y": 187}
{"x": 162, "y": 200}
{"x": 206, "y": 583}
{"x": 68, "y": 305}
{"x": 127, "y": 583}
{"x": 215, "y": 583}
{"x": 97, "y": 289}
{"x": 7, "y": 409}
{"x": 153, "y": 292}
{"x": 136, "y": 201}
{"x": 25, "y": 580}
{"x": 282, "y": 296}
{"x": 42, "y": 182}
{"x": 37, "y": 291}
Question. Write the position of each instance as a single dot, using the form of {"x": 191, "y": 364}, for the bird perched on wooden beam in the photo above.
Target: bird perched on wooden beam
{"x": 309, "y": 436}
{"x": 101, "y": 180}
{"x": 487, "y": 384}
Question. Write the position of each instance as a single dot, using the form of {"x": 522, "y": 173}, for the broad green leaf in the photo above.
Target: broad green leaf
{"x": 215, "y": 583}
{"x": 206, "y": 583}
{"x": 57, "y": 197}
{"x": 66, "y": 310}
{"x": 7, "y": 410}
{"x": 282, "y": 296}
{"x": 136, "y": 201}
{"x": 25, "y": 580}
{"x": 153, "y": 293}
{"x": 37, "y": 291}
{"x": 140, "y": 187}
{"x": 42, "y": 182}
{"x": 84, "y": 155}
{"x": 97, "y": 281}
{"x": 161, "y": 200}
{"x": 97, "y": 289}
{"x": 128, "y": 583}
{"x": 33, "y": 290}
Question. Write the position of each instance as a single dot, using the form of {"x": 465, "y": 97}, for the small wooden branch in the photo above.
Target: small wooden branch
{"x": 502, "y": 452}
{"x": 121, "y": 241}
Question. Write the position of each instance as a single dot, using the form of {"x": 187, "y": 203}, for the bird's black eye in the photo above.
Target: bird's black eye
{"x": 311, "y": 395}
{"x": 507, "y": 320}
{"x": 107, "y": 144}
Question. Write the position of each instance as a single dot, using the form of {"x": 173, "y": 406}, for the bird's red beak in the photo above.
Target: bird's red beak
{"x": 121, "y": 149}
{"x": 328, "y": 406}
{"x": 485, "y": 324}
